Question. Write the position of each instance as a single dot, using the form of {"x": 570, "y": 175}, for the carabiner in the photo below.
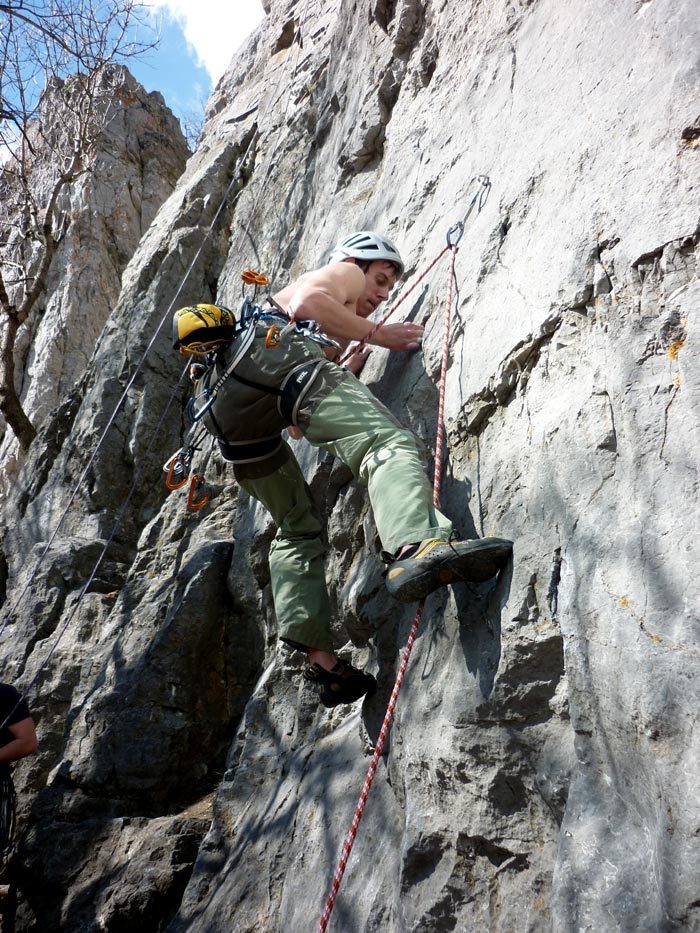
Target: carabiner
{"x": 177, "y": 466}
{"x": 459, "y": 226}
{"x": 272, "y": 338}
{"x": 195, "y": 484}
{"x": 485, "y": 183}
{"x": 194, "y": 414}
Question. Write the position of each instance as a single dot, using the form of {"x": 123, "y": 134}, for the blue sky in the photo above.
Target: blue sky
{"x": 198, "y": 40}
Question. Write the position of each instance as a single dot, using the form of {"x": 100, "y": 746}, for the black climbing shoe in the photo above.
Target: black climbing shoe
{"x": 438, "y": 563}
{"x": 344, "y": 684}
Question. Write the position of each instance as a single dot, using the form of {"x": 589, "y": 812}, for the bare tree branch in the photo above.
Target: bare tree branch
{"x": 66, "y": 57}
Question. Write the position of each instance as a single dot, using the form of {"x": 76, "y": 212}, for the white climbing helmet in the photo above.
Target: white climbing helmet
{"x": 368, "y": 246}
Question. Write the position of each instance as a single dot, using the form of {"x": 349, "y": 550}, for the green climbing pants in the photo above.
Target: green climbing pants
{"x": 351, "y": 424}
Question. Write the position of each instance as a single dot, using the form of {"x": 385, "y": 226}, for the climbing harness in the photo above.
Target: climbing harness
{"x": 223, "y": 343}
{"x": 454, "y": 236}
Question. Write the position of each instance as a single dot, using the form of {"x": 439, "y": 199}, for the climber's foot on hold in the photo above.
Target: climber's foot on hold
{"x": 343, "y": 684}
{"x": 418, "y": 571}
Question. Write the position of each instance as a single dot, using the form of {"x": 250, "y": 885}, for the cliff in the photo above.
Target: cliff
{"x": 541, "y": 768}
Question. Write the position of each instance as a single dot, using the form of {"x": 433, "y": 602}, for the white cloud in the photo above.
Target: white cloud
{"x": 214, "y": 28}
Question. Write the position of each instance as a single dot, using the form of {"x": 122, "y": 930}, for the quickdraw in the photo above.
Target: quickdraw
{"x": 177, "y": 470}
{"x": 197, "y": 482}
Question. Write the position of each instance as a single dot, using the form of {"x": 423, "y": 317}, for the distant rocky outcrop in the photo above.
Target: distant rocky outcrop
{"x": 139, "y": 156}
{"x": 542, "y": 765}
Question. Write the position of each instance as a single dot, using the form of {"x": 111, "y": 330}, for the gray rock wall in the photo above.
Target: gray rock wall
{"x": 541, "y": 768}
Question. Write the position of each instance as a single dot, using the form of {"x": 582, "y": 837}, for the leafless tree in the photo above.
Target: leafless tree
{"x": 65, "y": 55}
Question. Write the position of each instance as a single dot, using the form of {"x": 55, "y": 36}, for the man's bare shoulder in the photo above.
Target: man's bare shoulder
{"x": 343, "y": 281}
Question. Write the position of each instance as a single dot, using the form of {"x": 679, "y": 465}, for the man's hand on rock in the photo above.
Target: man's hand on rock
{"x": 403, "y": 336}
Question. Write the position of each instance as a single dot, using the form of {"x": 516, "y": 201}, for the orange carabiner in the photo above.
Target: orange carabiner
{"x": 251, "y": 277}
{"x": 195, "y": 483}
{"x": 272, "y": 338}
{"x": 176, "y": 465}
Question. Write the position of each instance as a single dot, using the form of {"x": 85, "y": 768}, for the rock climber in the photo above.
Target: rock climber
{"x": 310, "y": 394}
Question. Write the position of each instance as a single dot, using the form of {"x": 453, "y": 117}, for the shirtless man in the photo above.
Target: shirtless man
{"x": 327, "y": 405}
{"x": 341, "y": 295}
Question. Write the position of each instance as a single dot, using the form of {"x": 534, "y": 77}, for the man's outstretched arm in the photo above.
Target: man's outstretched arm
{"x": 324, "y": 295}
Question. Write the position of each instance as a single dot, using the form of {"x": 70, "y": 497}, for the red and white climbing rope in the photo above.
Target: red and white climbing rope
{"x": 452, "y": 245}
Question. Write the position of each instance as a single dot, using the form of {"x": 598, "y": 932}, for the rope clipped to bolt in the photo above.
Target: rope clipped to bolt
{"x": 358, "y": 346}
{"x": 454, "y": 235}
{"x": 478, "y": 200}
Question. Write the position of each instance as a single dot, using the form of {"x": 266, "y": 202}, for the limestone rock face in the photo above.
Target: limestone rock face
{"x": 139, "y": 156}
{"x": 542, "y": 764}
